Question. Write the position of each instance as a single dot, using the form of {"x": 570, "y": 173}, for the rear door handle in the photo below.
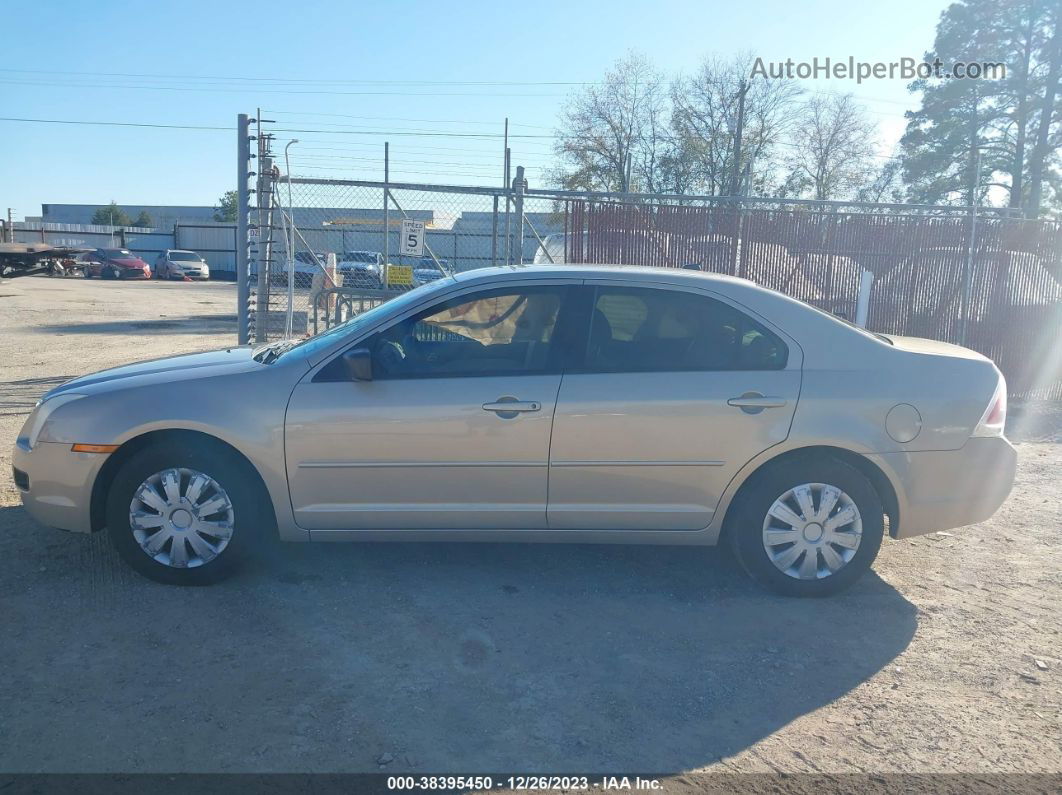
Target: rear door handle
{"x": 508, "y": 407}
{"x": 754, "y": 402}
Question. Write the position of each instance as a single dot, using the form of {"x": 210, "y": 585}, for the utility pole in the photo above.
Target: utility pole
{"x": 627, "y": 161}
{"x": 243, "y": 286}
{"x": 735, "y": 177}
{"x": 266, "y": 182}
{"x": 9, "y": 233}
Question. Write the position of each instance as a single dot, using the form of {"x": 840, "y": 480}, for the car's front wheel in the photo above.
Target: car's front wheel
{"x": 807, "y": 526}
{"x": 182, "y": 513}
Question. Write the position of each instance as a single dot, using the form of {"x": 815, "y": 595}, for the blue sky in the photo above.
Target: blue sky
{"x": 372, "y": 67}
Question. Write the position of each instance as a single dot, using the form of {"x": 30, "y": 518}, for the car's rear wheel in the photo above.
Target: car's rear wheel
{"x": 182, "y": 513}
{"x": 807, "y": 527}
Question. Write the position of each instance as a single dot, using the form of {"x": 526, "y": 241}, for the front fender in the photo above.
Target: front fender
{"x": 245, "y": 410}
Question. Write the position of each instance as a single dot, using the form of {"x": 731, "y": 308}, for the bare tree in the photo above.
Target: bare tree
{"x": 704, "y": 121}
{"x": 886, "y": 185}
{"x": 832, "y": 147}
{"x": 604, "y": 124}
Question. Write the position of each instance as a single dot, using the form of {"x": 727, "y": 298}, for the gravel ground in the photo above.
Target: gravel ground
{"x": 473, "y": 658}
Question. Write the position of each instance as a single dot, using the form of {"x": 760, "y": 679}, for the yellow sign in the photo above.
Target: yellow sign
{"x": 400, "y": 274}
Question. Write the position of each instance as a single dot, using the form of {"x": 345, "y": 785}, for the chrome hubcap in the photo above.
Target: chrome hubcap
{"x": 812, "y": 531}
{"x": 181, "y": 518}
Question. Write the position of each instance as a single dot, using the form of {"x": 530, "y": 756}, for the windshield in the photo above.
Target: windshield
{"x": 351, "y": 327}
{"x": 360, "y": 256}
{"x": 185, "y": 256}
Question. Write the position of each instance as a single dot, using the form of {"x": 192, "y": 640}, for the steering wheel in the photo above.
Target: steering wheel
{"x": 390, "y": 356}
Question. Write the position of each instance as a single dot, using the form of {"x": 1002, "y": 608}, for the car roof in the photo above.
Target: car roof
{"x": 632, "y": 273}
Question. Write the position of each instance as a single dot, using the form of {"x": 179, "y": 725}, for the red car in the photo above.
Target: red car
{"x": 115, "y": 263}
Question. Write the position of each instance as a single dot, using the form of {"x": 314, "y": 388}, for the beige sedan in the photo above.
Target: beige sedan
{"x": 581, "y": 404}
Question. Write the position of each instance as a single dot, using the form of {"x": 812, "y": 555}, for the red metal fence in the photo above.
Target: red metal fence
{"x": 1013, "y": 312}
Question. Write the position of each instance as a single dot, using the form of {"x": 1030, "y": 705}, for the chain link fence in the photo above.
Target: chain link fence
{"x": 326, "y": 249}
{"x": 330, "y": 248}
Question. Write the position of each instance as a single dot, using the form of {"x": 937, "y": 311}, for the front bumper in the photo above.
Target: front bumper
{"x": 60, "y": 484}
{"x": 943, "y": 489}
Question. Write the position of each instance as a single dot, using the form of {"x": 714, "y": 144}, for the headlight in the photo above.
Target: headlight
{"x": 37, "y": 420}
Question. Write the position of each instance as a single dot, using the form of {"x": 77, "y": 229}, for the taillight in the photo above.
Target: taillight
{"x": 995, "y": 416}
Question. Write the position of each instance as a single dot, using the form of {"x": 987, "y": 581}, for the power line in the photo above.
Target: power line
{"x": 475, "y": 154}
{"x": 398, "y": 118}
{"x": 414, "y": 133}
{"x": 317, "y": 81}
{"x": 117, "y": 124}
{"x": 198, "y": 89}
{"x": 327, "y": 132}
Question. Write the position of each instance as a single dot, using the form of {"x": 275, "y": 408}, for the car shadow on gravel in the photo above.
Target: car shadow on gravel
{"x": 179, "y": 324}
{"x": 459, "y": 657}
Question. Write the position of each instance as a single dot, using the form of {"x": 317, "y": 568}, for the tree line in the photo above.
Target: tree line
{"x": 721, "y": 131}
{"x": 113, "y": 215}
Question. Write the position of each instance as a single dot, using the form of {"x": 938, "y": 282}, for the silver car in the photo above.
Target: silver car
{"x": 179, "y": 264}
{"x": 554, "y": 403}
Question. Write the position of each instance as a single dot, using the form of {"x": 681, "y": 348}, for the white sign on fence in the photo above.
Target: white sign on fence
{"x": 412, "y": 239}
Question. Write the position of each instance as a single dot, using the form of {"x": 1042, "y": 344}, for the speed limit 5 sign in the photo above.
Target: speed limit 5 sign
{"x": 412, "y": 238}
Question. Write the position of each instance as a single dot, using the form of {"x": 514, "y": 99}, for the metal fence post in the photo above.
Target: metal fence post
{"x": 519, "y": 186}
{"x": 967, "y": 277}
{"x": 243, "y": 287}
{"x": 508, "y": 203}
{"x": 967, "y": 268}
{"x": 387, "y": 217}
{"x": 866, "y": 283}
{"x": 494, "y": 233}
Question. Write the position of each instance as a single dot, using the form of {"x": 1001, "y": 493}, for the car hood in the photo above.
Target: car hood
{"x": 126, "y": 262}
{"x": 211, "y": 363}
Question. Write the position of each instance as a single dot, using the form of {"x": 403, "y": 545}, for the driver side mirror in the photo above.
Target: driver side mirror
{"x": 357, "y": 364}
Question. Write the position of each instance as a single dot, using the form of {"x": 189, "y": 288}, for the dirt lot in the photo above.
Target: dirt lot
{"x": 475, "y": 658}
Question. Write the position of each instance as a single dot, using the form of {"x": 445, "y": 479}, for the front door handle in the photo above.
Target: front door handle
{"x": 508, "y": 407}
{"x": 754, "y": 402}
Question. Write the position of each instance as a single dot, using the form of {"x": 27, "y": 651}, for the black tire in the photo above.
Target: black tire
{"x": 87, "y": 274}
{"x": 213, "y": 460}
{"x": 745, "y": 523}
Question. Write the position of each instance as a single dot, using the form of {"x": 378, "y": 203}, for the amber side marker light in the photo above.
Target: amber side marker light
{"x": 94, "y": 448}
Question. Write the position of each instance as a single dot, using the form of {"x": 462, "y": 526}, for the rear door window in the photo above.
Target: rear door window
{"x": 653, "y": 329}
